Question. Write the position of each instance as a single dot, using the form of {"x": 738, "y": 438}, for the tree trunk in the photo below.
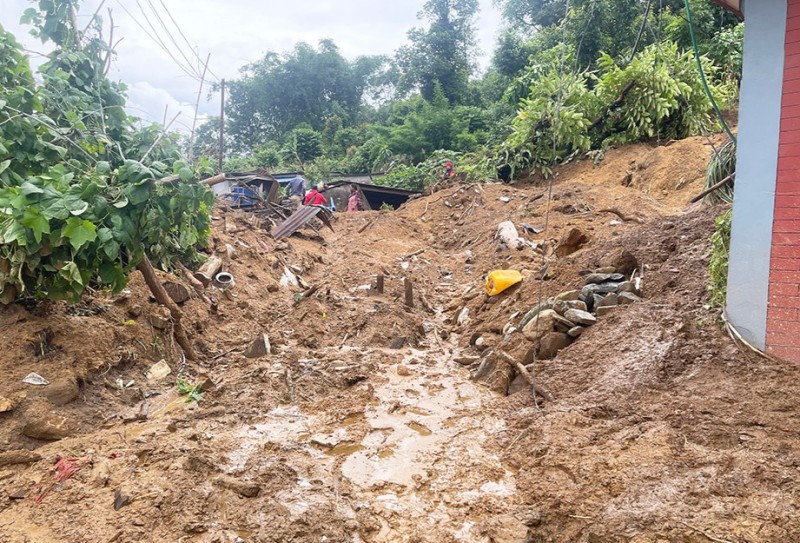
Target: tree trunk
{"x": 163, "y": 298}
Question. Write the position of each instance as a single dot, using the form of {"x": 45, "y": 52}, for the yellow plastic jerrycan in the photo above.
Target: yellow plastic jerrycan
{"x": 499, "y": 280}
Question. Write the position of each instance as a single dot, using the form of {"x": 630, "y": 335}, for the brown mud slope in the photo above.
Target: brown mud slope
{"x": 364, "y": 425}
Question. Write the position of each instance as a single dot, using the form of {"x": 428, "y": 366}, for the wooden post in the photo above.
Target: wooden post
{"x": 221, "y": 124}
{"x": 208, "y": 270}
{"x": 379, "y": 285}
{"x": 161, "y": 296}
{"x": 409, "y": 292}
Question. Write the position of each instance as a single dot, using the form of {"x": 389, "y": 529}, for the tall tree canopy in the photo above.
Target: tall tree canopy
{"x": 441, "y": 55}
{"x": 304, "y": 86}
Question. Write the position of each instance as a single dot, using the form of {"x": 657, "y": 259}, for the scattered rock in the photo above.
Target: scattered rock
{"x": 570, "y": 242}
{"x": 397, "y": 343}
{"x": 496, "y": 374}
{"x": 621, "y": 260}
{"x": 158, "y": 371}
{"x": 603, "y": 288}
{"x": 578, "y": 304}
{"x": 18, "y": 494}
{"x": 580, "y": 317}
{"x": 403, "y": 371}
{"x": 469, "y": 257}
{"x": 48, "y": 427}
{"x": 629, "y": 286}
{"x": 35, "y": 379}
{"x": 247, "y": 489}
{"x": 101, "y": 473}
{"x": 609, "y": 300}
{"x": 547, "y": 322}
{"x": 160, "y": 320}
{"x": 605, "y": 310}
{"x": 259, "y": 347}
{"x": 272, "y": 285}
{"x": 6, "y": 405}
{"x": 61, "y": 392}
{"x": 178, "y": 292}
{"x": 529, "y": 316}
{"x": 121, "y": 499}
{"x": 626, "y": 298}
{"x": 466, "y": 360}
{"x": 562, "y": 307}
{"x": 551, "y": 343}
{"x": 463, "y": 317}
{"x": 135, "y": 310}
{"x": 508, "y": 235}
{"x": 576, "y": 331}
{"x": 598, "y": 278}
{"x": 568, "y": 296}
{"x": 21, "y": 456}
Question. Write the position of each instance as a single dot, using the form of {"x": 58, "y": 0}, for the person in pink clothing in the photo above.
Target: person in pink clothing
{"x": 354, "y": 200}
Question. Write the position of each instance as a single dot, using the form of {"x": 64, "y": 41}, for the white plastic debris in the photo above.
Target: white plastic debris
{"x": 35, "y": 379}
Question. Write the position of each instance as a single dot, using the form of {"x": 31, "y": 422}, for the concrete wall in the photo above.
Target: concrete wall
{"x": 756, "y": 168}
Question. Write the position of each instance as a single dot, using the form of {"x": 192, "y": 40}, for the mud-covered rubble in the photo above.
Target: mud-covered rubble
{"x": 358, "y": 421}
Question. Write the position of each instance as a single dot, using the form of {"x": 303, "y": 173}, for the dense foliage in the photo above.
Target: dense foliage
{"x": 79, "y": 201}
{"x": 607, "y": 72}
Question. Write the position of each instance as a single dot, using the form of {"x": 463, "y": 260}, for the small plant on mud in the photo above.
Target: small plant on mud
{"x": 718, "y": 267}
{"x": 191, "y": 391}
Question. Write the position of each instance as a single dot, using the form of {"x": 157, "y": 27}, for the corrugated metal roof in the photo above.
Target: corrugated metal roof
{"x": 300, "y": 218}
{"x": 731, "y": 5}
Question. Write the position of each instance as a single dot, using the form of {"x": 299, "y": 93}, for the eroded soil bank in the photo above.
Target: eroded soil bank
{"x": 364, "y": 423}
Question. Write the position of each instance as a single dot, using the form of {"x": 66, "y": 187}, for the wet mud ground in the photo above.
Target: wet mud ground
{"x": 364, "y": 424}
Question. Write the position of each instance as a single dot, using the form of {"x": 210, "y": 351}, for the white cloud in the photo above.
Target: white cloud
{"x": 237, "y": 32}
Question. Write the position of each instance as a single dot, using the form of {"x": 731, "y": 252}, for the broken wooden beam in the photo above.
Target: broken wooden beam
{"x": 379, "y": 284}
{"x": 409, "y": 292}
{"x": 209, "y": 270}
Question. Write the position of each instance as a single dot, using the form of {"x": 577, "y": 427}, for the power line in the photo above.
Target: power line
{"x": 191, "y": 47}
{"x": 157, "y": 42}
{"x": 164, "y": 45}
{"x": 171, "y": 37}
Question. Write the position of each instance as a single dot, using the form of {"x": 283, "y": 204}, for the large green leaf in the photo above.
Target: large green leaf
{"x": 79, "y": 232}
{"x": 32, "y": 218}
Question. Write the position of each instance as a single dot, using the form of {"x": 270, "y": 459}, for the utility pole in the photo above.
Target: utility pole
{"x": 221, "y": 125}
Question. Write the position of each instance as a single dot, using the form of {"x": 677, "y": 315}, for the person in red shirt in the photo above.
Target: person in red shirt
{"x": 315, "y": 197}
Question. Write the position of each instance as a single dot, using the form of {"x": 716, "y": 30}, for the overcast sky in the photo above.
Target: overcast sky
{"x": 237, "y": 32}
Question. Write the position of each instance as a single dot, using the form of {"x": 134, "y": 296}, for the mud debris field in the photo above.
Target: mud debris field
{"x": 365, "y": 424}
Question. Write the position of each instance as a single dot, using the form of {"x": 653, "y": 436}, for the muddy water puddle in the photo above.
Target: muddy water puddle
{"x": 415, "y": 452}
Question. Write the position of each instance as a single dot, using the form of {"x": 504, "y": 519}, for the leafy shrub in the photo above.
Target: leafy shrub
{"x": 657, "y": 95}
{"x": 721, "y": 165}
{"x": 79, "y": 202}
{"x": 718, "y": 267}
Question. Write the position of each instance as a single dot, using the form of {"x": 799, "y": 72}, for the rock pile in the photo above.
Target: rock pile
{"x": 557, "y": 322}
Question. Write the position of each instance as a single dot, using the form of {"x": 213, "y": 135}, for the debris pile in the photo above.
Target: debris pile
{"x": 558, "y": 321}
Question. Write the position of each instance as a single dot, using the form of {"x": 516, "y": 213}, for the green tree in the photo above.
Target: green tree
{"x": 79, "y": 202}
{"x": 443, "y": 54}
{"x": 305, "y": 85}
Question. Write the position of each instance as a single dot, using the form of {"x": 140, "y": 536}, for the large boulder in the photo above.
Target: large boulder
{"x": 551, "y": 343}
{"x": 549, "y": 320}
{"x": 48, "y": 427}
{"x": 580, "y": 317}
{"x": 571, "y": 241}
{"x": 621, "y": 260}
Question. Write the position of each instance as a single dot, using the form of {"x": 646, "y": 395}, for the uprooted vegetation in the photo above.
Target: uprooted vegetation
{"x": 357, "y": 417}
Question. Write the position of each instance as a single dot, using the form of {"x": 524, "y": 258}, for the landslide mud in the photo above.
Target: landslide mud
{"x": 364, "y": 425}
